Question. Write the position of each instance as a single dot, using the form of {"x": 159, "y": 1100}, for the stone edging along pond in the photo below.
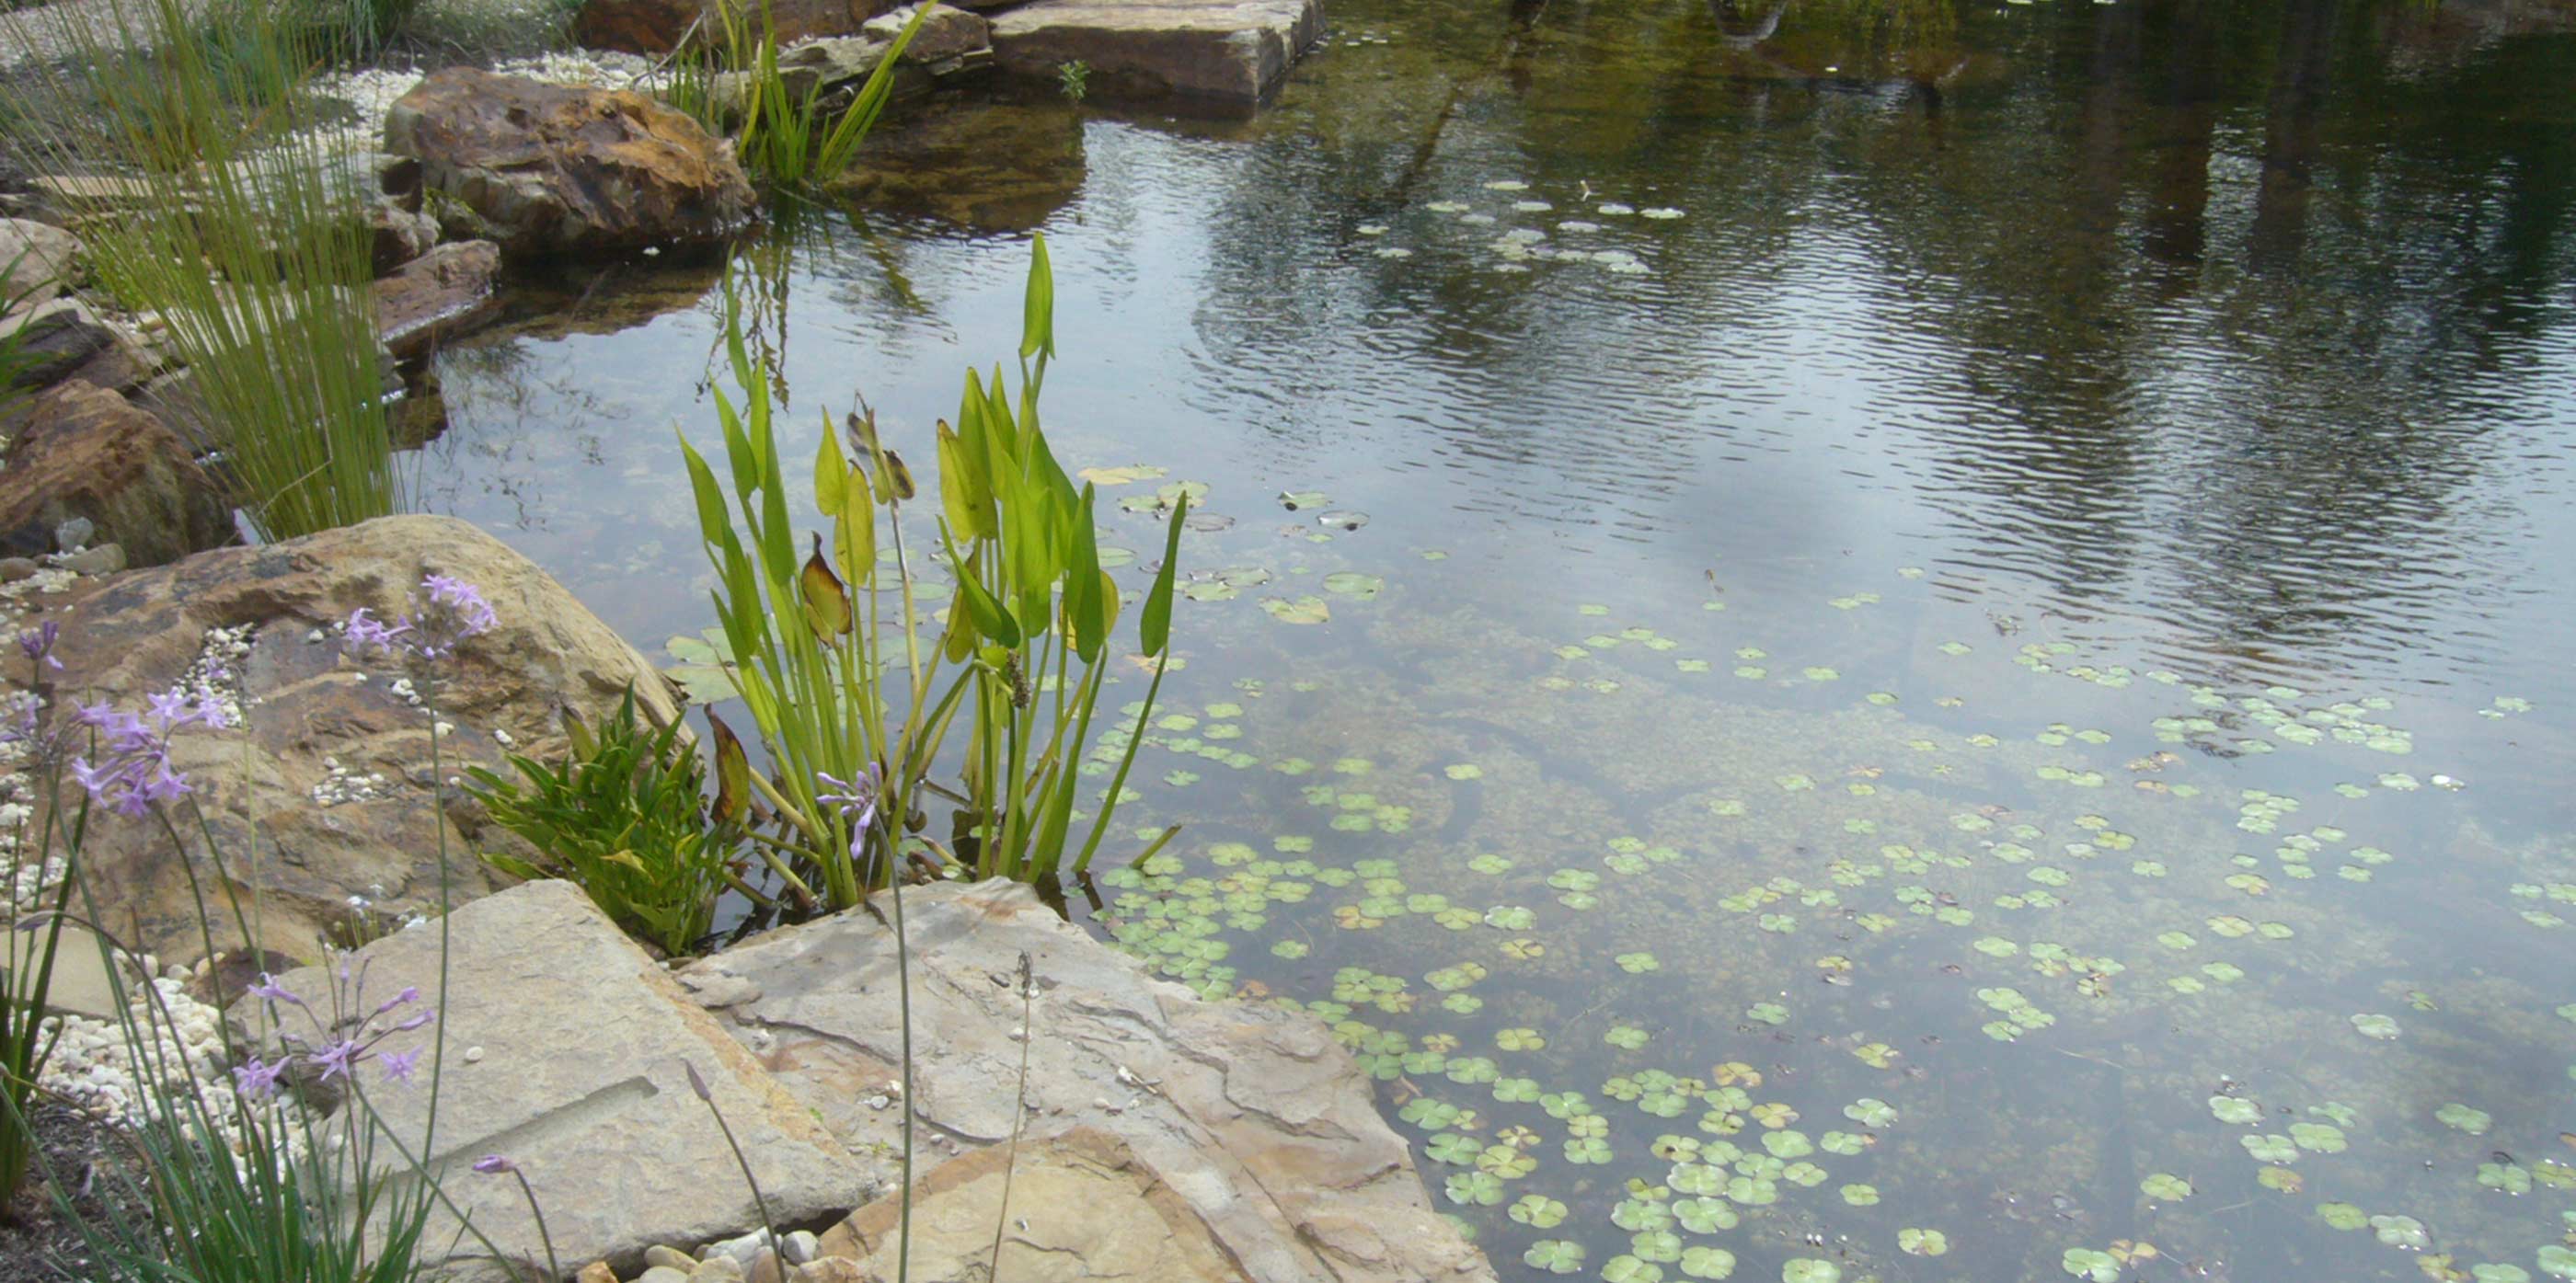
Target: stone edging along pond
{"x": 1155, "y": 1134}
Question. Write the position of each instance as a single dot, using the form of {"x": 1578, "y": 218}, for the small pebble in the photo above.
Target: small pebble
{"x": 661, "y": 1274}
{"x": 15, "y": 569}
{"x": 718, "y": 1269}
{"x": 474, "y": 1056}
{"x": 658, "y": 1254}
{"x": 801, "y": 1246}
{"x": 105, "y": 559}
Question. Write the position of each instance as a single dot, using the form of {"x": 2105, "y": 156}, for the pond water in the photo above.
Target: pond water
{"x": 1918, "y": 643}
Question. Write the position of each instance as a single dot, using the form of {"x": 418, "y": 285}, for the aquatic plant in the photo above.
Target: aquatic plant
{"x": 240, "y": 228}
{"x": 622, "y": 814}
{"x": 1023, "y": 657}
{"x": 730, "y": 73}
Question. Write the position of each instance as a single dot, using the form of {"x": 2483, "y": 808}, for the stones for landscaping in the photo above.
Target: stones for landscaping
{"x": 36, "y": 261}
{"x": 1227, "y": 51}
{"x": 320, "y": 796}
{"x": 656, "y": 26}
{"x": 586, "y": 1088}
{"x": 57, "y": 338}
{"x": 1255, "y": 1119}
{"x": 87, "y": 454}
{"x": 399, "y": 235}
{"x": 541, "y": 168}
{"x": 437, "y": 296}
{"x": 1082, "y": 1206}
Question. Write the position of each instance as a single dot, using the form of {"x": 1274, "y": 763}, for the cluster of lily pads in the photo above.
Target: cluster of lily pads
{"x": 1571, "y": 1025}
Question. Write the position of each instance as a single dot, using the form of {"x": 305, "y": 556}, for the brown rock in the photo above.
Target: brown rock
{"x": 656, "y": 26}
{"x": 437, "y": 296}
{"x": 595, "y": 1272}
{"x": 635, "y": 26}
{"x": 544, "y": 168}
{"x": 293, "y": 830}
{"x": 87, "y": 452}
{"x": 1230, "y": 51}
{"x": 56, "y": 339}
{"x": 400, "y": 235}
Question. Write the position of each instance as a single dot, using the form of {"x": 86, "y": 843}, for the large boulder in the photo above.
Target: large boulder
{"x": 547, "y": 169}
{"x": 1254, "y": 1115}
{"x": 86, "y": 452}
{"x": 1226, "y": 51}
{"x": 657, "y": 26}
{"x": 36, "y": 261}
{"x": 437, "y": 296}
{"x": 569, "y": 1052}
{"x": 321, "y": 794}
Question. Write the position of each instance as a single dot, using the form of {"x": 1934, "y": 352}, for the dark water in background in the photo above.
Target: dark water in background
{"x": 2068, "y": 516}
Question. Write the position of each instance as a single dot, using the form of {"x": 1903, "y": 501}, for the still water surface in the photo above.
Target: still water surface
{"x": 1940, "y": 651}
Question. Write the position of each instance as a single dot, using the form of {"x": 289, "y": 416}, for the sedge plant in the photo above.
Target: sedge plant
{"x": 233, "y": 214}
{"x": 837, "y": 665}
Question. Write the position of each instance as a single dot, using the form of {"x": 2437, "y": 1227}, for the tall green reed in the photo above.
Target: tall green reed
{"x": 235, "y": 215}
{"x": 851, "y": 691}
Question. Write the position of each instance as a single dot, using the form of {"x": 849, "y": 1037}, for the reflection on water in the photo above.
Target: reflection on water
{"x": 1953, "y": 672}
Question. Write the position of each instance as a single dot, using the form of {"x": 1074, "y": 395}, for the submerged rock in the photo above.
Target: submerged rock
{"x": 318, "y": 798}
{"x": 1231, "y": 51}
{"x": 87, "y": 454}
{"x": 540, "y": 168}
{"x": 1258, "y": 1126}
{"x": 585, "y": 1084}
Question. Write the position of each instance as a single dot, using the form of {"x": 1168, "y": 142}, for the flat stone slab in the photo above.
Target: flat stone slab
{"x": 1231, "y": 51}
{"x": 1081, "y": 1205}
{"x": 1253, "y": 1114}
{"x": 582, "y": 1080}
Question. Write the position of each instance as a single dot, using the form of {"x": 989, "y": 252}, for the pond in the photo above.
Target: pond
{"x": 1845, "y": 642}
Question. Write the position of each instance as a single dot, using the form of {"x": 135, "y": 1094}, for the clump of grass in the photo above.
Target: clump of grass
{"x": 239, "y": 225}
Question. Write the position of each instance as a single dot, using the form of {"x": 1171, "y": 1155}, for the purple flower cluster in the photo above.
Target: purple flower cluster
{"x": 37, "y": 644}
{"x": 134, "y": 773}
{"x": 346, "y": 1042}
{"x": 856, "y": 797}
{"x": 445, "y": 611}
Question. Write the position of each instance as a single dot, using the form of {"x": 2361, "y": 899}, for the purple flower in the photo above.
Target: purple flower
{"x": 409, "y": 995}
{"x": 445, "y": 611}
{"x": 494, "y": 1165}
{"x": 269, "y": 988}
{"x": 398, "y": 1065}
{"x": 367, "y": 632}
{"x": 257, "y": 1079}
{"x": 37, "y": 644}
{"x": 338, "y": 1059}
{"x": 134, "y": 774}
{"x": 856, "y": 797}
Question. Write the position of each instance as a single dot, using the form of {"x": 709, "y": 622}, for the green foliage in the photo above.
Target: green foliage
{"x": 1022, "y": 660}
{"x": 1073, "y": 80}
{"x": 624, "y": 816}
{"x": 25, "y": 987}
{"x": 244, "y": 233}
{"x": 790, "y": 141}
{"x": 14, "y": 359}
